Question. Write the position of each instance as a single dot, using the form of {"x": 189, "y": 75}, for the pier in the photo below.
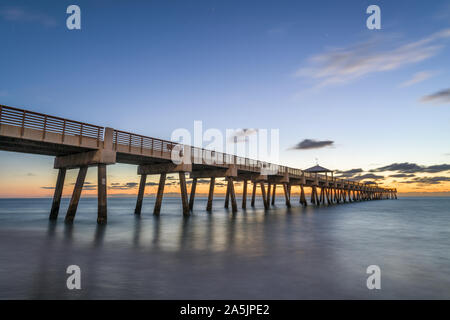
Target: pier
{"x": 78, "y": 145}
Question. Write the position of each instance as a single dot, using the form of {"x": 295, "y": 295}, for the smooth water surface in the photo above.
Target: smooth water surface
{"x": 297, "y": 253}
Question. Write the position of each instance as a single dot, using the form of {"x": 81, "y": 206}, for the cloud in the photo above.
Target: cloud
{"x": 19, "y": 14}
{"x": 439, "y": 97}
{"x": 437, "y": 168}
{"x": 368, "y": 176}
{"x": 401, "y": 175}
{"x": 86, "y": 186}
{"x": 407, "y": 167}
{"x": 416, "y": 78}
{"x": 312, "y": 144}
{"x": 199, "y": 181}
{"x": 349, "y": 173}
{"x": 343, "y": 65}
{"x": 125, "y": 186}
{"x": 89, "y": 188}
{"x": 428, "y": 180}
{"x": 241, "y": 135}
{"x": 152, "y": 184}
{"x": 85, "y": 183}
{"x": 220, "y": 184}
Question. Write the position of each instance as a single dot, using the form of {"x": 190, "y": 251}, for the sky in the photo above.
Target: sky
{"x": 372, "y": 104}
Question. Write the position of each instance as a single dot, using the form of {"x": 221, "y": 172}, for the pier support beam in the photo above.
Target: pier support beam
{"x": 232, "y": 194}
{"x": 72, "y": 210}
{"x": 211, "y": 194}
{"x": 269, "y": 189}
{"x": 159, "y": 195}
{"x": 286, "y": 195}
{"x": 192, "y": 197}
{"x": 227, "y": 195}
{"x": 321, "y": 196}
{"x": 253, "y": 194}
{"x": 244, "y": 195}
{"x": 184, "y": 195}
{"x": 302, "y": 196}
{"x": 101, "y": 193}
{"x": 140, "y": 196}
{"x": 58, "y": 193}
{"x": 264, "y": 196}
{"x": 314, "y": 196}
{"x": 274, "y": 193}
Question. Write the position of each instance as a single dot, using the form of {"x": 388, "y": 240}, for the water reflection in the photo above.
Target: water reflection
{"x": 281, "y": 253}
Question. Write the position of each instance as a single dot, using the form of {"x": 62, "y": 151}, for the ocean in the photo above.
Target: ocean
{"x": 297, "y": 253}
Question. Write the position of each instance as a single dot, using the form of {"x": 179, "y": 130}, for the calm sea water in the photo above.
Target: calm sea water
{"x": 283, "y": 253}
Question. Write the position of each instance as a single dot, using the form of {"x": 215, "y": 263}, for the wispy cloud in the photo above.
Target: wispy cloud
{"x": 439, "y": 97}
{"x": 125, "y": 186}
{"x": 402, "y": 175}
{"x": 20, "y": 14}
{"x": 428, "y": 180}
{"x": 416, "y": 78}
{"x": 349, "y": 173}
{"x": 312, "y": 144}
{"x": 406, "y": 167}
{"x": 343, "y": 65}
{"x": 241, "y": 135}
{"x": 368, "y": 176}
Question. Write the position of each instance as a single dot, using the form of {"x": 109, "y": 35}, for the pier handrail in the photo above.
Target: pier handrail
{"x": 25, "y": 119}
{"x": 130, "y": 140}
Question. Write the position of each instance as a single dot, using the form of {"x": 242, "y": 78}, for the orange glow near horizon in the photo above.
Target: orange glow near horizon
{"x": 32, "y": 187}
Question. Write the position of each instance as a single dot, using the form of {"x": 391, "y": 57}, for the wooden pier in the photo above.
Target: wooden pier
{"x": 78, "y": 145}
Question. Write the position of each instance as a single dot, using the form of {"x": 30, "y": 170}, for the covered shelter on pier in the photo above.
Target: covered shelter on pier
{"x": 319, "y": 169}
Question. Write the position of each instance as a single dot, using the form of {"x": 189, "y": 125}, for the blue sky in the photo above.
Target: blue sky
{"x": 153, "y": 66}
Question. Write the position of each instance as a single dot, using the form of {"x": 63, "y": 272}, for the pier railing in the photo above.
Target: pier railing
{"x": 25, "y": 119}
{"x": 143, "y": 145}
